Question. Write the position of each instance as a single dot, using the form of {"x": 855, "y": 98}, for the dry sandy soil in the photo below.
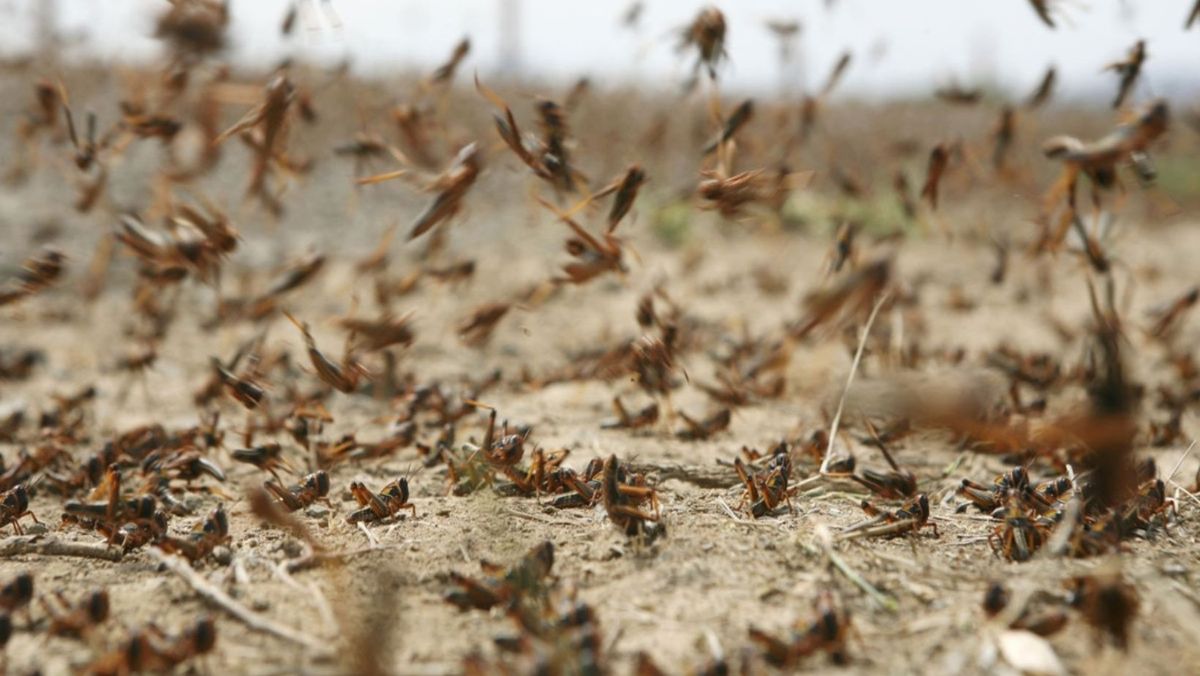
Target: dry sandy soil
{"x": 716, "y": 572}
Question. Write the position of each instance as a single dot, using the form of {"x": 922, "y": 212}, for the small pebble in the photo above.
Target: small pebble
{"x": 317, "y": 511}
{"x": 36, "y": 529}
{"x": 223, "y": 555}
{"x": 1174, "y": 569}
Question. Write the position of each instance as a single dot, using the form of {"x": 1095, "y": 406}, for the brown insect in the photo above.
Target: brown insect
{"x": 626, "y": 191}
{"x": 767, "y": 490}
{"x": 507, "y": 448}
{"x": 289, "y": 18}
{"x": 809, "y": 107}
{"x": 647, "y": 316}
{"x": 1042, "y": 9}
{"x": 741, "y": 115}
{"x": 380, "y": 506}
{"x": 41, "y": 117}
{"x": 311, "y": 488}
{"x": 645, "y": 417}
{"x": 707, "y": 34}
{"x": 1128, "y": 70}
{"x": 586, "y": 487}
{"x": 1108, "y": 603}
{"x": 151, "y": 650}
{"x": 593, "y": 256}
{"x": 909, "y": 518}
{"x": 1044, "y": 90}
{"x": 416, "y": 126}
{"x": 986, "y": 499}
{"x": 1192, "y": 16}
{"x": 452, "y": 273}
{"x": 173, "y": 254}
{"x": 897, "y": 484}
{"x": 1098, "y": 160}
{"x": 846, "y": 181}
{"x": 835, "y": 74}
{"x": 696, "y": 430}
{"x": 38, "y": 273}
{"x": 75, "y": 620}
{"x": 621, "y": 501}
{"x": 1167, "y": 317}
{"x": 904, "y": 193}
{"x": 140, "y": 124}
{"x": 344, "y": 376}
{"x": 219, "y": 234}
{"x": 554, "y": 157}
{"x": 373, "y": 335}
{"x": 1045, "y": 622}
{"x": 245, "y": 391}
{"x": 206, "y": 535}
{"x": 828, "y": 631}
{"x": 364, "y": 148}
{"x": 194, "y": 27}
{"x": 499, "y": 586}
{"x": 445, "y": 72}
{"x": 86, "y": 150}
{"x": 19, "y": 364}
{"x": 545, "y": 474}
{"x": 1019, "y": 536}
{"x": 477, "y": 329}
{"x": 548, "y": 157}
{"x": 1148, "y": 507}
{"x": 186, "y": 463}
{"x": 632, "y": 14}
{"x": 138, "y": 359}
{"x": 959, "y": 95}
{"x": 269, "y": 118}
{"x": 451, "y": 186}
{"x": 11, "y": 423}
{"x": 266, "y": 457}
{"x": 853, "y": 295}
{"x": 296, "y": 275}
{"x": 1002, "y": 137}
{"x": 16, "y": 593}
{"x": 843, "y": 250}
{"x": 503, "y": 452}
{"x": 653, "y": 363}
{"x": 14, "y": 504}
{"x": 730, "y": 195}
{"x": 578, "y": 92}
{"x": 108, "y": 511}
{"x": 939, "y": 157}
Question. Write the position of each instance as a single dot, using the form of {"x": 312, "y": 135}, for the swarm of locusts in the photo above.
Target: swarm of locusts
{"x": 314, "y": 415}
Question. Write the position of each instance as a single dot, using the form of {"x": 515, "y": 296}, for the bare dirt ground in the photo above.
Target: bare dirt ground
{"x": 914, "y": 601}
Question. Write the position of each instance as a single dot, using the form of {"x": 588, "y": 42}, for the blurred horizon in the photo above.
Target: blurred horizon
{"x": 900, "y": 49}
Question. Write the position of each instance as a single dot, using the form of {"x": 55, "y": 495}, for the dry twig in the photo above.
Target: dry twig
{"x": 29, "y": 544}
{"x": 222, "y": 600}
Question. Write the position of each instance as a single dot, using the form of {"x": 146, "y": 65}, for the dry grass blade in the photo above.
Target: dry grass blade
{"x": 837, "y": 416}
{"x": 227, "y": 603}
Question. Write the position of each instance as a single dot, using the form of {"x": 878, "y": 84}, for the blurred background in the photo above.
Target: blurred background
{"x": 901, "y": 49}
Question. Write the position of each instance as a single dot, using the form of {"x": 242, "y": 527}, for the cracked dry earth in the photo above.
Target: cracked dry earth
{"x": 716, "y": 572}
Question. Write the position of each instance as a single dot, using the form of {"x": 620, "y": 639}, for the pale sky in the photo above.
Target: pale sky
{"x": 900, "y": 46}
